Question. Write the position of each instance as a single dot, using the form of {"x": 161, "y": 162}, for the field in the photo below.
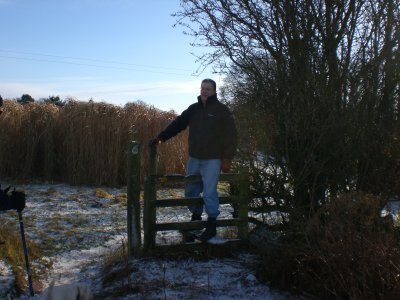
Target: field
{"x": 81, "y": 142}
{"x": 80, "y": 233}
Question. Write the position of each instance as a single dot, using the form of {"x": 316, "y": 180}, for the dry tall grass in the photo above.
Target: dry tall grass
{"x": 347, "y": 251}
{"x": 12, "y": 251}
{"x": 82, "y": 142}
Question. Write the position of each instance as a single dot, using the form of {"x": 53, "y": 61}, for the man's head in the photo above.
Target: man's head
{"x": 1, "y": 104}
{"x": 208, "y": 88}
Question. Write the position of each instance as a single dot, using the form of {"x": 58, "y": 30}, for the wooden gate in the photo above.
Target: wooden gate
{"x": 238, "y": 198}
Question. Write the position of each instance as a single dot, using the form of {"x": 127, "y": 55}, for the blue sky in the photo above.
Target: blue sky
{"x": 116, "y": 51}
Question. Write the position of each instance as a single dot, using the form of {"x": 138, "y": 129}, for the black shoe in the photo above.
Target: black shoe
{"x": 189, "y": 235}
{"x": 211, "y": 230}
{"x": 196, "y": 217}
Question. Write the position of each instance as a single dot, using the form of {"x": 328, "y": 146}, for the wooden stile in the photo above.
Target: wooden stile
{"x": 133, "y": 189}
{"x": 238, "y": 198}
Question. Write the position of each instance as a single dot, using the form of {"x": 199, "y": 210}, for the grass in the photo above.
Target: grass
{"x": 100, "y": 193}
{"x": 83, "y": 143}
{"x": 396, "y": 220}
{"x": 121, "y": 277}
{"x": 50, "y": 192}
{"x": 117, "y": 270}
{"x": 346, "y": 251}
{"x": 55, "y": 229}
{"x": 60, "y": 223}
{"x": 12, "y": 251}
{"x": 73, "y": 197}
{"x": 121, "y": 198}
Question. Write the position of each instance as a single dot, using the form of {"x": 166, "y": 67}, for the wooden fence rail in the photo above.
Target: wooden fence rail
{"x": 238, "y": 198}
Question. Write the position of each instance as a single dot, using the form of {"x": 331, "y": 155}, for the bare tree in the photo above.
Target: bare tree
{"x": 324, "y": 73}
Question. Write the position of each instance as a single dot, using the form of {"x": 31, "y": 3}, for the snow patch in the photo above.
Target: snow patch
{"x": 78, "y": 233}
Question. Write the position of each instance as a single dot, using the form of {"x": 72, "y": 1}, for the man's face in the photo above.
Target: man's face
{"x": 206, "y": 90}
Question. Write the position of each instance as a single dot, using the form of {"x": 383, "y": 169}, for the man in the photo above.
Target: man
{"x": 212, "y": 145}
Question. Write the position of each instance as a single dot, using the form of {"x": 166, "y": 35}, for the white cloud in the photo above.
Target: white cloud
{"x": 149, "y": 88}
{"x": 73, "y": 78}
{"x": 166, "y": 95}
{"x": 16, "y": 89}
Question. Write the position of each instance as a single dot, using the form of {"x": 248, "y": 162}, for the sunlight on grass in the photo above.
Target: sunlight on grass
{"x": 396, "y": 220}
{"x": 11, "y": 250}
{"x": 117, "y": 270}
{"x": 121, "y": 198}
{"x": 73, "y": 197}
{"x": 100, "y": 193}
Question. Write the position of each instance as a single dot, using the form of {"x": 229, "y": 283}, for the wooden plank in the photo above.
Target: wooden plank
{"x": 173, "y": 202}
{"x": 174, "y": 178}
{"x": 243, "y": 213}
{"x": 230, "y": 177}
{"x": 193, "y": 225}
{"x": 146, "y": 216}
{"x": 149, "y": 216}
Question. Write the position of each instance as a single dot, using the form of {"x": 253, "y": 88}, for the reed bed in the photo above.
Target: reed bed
{"x": 83, "y": 142}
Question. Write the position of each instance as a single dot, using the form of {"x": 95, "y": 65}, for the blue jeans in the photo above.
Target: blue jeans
{"x": 209, "y": 169}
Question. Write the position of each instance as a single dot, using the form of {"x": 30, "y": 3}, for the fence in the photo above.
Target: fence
{"x": 238, "y": 198}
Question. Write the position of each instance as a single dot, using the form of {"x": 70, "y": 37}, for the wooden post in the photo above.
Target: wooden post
{"x": 133, "y": 187}
{"x": 150, "y": 196}
{"x": 243, "y": 228}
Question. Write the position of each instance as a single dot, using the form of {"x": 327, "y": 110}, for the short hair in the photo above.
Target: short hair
{"x": 1, "y": 101}
{"x": 208, "y": 80}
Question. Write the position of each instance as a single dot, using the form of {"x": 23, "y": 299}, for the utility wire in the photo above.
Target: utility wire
{"x": 92, "y": 60}
{"x": 92, "y": 65}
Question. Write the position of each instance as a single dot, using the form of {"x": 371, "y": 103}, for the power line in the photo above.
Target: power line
{"x": 92, "y": 65}
{"x": 92, "y": 60}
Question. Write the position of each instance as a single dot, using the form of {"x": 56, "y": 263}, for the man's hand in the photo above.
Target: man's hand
{"x": 226, "y": 165}
{"x": 155, "y": 142}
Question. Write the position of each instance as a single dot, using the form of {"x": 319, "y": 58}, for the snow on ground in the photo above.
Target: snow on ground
{"x": 77, "y": 229}
{"x": 392, "y": 208}
{"x": 6, "y": 278}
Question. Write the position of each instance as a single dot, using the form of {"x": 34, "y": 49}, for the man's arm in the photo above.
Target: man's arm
{"x": 179, "y": 124}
